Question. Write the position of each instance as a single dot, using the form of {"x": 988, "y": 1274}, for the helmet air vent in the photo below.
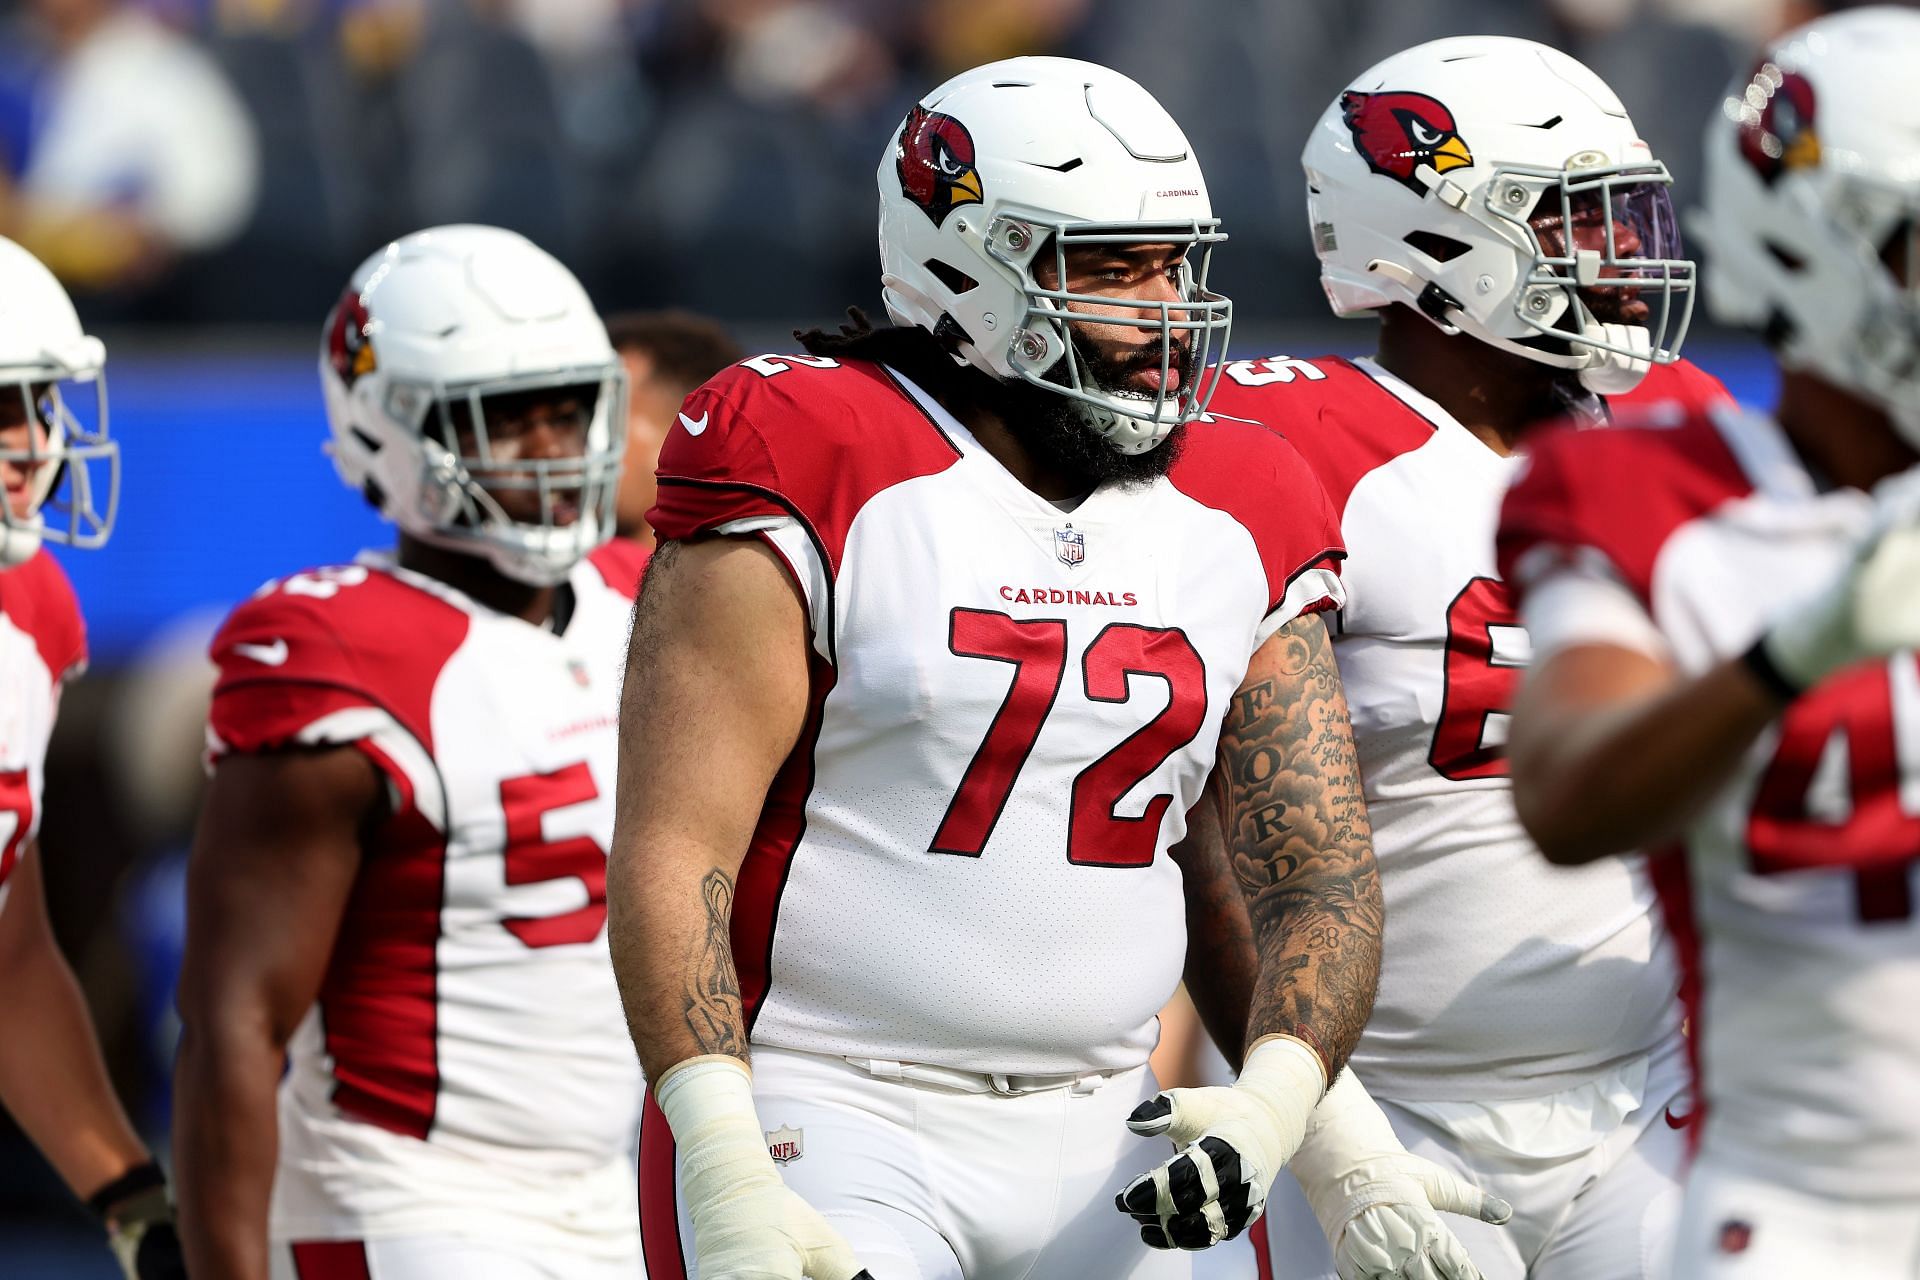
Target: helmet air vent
{"x": 951, "y": 276}
{"x": 1438, "y": 247}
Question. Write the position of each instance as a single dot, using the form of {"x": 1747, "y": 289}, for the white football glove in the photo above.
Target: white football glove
{"x": 746, "y": 1224}
{"x": 1232, "y": 1142}
{"x": 1376, "y": 1200}
{"x": 1871, "y": 609}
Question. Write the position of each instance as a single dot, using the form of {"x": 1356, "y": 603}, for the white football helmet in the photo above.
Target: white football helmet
{"x": 1812, "y": 169}
{"x": 1444, "y": 178}
{"x": 429, "y": 330}
{"x": 54, "y": 368}
{"x": 1037, "y": 155}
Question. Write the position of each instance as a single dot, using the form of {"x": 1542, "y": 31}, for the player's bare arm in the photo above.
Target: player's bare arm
{"x": 1296, "y": 833}
{"x": 1301, "y": 845}
{"x": 1221, "y": 961}
{"x": 715, "y": 700}
{"x": 1613, "y": 751}
{"x": 1288, "y": 790}
{"x": 272, "y": 867}
{"x": 719, "y": 641}
{"x": 53, "y": 1081}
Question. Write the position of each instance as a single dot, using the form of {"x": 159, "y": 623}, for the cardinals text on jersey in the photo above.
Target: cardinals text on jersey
{"x": 964, "y": 861}
{"x": 467, "y": 1042}
{"x": 42, "y": 643}
{"x": 1803, "y": 868}
{"x": 1502, "y": 977}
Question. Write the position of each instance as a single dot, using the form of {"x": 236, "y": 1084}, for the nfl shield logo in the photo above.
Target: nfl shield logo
{"x": 579, "y": 671}
{"x": 785, "y": 1145}
{"x": 1070, "y": 545}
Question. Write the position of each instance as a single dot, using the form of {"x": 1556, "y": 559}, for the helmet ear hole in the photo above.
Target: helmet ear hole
{"x": 1791, "y": 261}
{"x": 1438, "y": 247}
{"x": 1779, "y": 329}
{"x": 951, "y": 276}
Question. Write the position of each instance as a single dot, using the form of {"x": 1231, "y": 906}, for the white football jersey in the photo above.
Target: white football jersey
{"x": 1802, "y": 869}
{"x": 42, "y": 643}
{"x": 467, "y": 1060}
{"x": 1502, "y": 977}
{"x": 964, "y": 862}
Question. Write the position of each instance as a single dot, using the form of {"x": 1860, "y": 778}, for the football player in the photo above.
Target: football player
{"x": 56, "y": 459}
{"x": 1490, "y": 202}
{"x": 666, "y": 354}
{"x": 398, "y": 882}
{"x": 948, "y": 628}
{"x": 1725, "y": 608}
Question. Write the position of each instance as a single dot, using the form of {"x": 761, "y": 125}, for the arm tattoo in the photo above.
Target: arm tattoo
{"x": 1302, "y": 848}
{"x": 712, "y": 997}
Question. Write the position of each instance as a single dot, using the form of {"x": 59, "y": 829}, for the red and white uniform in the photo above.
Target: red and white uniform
{"x": 963, "y": 865}
{"x": 43, "y": 643}
{"x": 1519, "y": 1004}
{"x": 465, "y": 1072}
{"x": 1682, "y": 540}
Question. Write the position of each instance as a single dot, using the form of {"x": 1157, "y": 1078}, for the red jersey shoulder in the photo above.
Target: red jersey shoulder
{"x": 326, "y": 639}
{"x": 39, "y": 600}
{"x": 1343, "y": 422}
{"x": 805, "y": 436}
{"x": 1618, "y": 491}
{"x": 620, "y": 564}
{"x": 1257, "y": 476}
{"x": 1668, "y": 394}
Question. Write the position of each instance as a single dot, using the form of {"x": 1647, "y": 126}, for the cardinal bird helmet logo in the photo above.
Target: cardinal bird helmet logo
{"x": 349, "y": 346}
{"x": 1396, "y": 133}
{"x": 1776, "y": 123}
{"x": 934, "y": 159}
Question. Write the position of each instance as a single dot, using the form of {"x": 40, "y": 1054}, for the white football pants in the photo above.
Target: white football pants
{"x": 930, "y": 1182}
{"x": 440, "y": 1257}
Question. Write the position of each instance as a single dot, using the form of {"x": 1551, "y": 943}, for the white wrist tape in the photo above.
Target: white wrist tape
{"x": 745, "y": 1220}
{"x": 1288, "y": 1079}
{"x": 708, "y": 1102}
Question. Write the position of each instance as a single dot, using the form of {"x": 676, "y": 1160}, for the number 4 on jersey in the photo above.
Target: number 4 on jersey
{"x": 1843, "y": 790}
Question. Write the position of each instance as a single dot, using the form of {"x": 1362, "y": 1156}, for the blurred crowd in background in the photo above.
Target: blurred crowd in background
{"x": 204, "y": 174}
{"x": 224, "y": 161}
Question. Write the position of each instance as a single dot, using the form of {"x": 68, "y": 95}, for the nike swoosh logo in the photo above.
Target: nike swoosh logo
{"x": 272, "y": 655}
{"x": 1680, "y": 1121}
{"x": 695, "y": 426}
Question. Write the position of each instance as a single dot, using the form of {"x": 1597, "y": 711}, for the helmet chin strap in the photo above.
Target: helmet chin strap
{"x": 1614, "y": 373}
{"x": 19, "y": 541}
{"x": 1607, "y": 373}
{"x": 1123, "y": 432}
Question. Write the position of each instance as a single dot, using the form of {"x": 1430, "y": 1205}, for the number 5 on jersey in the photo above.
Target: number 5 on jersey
{"x": 1036, "y": 648}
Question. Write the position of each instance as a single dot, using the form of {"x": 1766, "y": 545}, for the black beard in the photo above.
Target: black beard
{"x": 1046, "y": 423}
{"x": 1050, "y": 426}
